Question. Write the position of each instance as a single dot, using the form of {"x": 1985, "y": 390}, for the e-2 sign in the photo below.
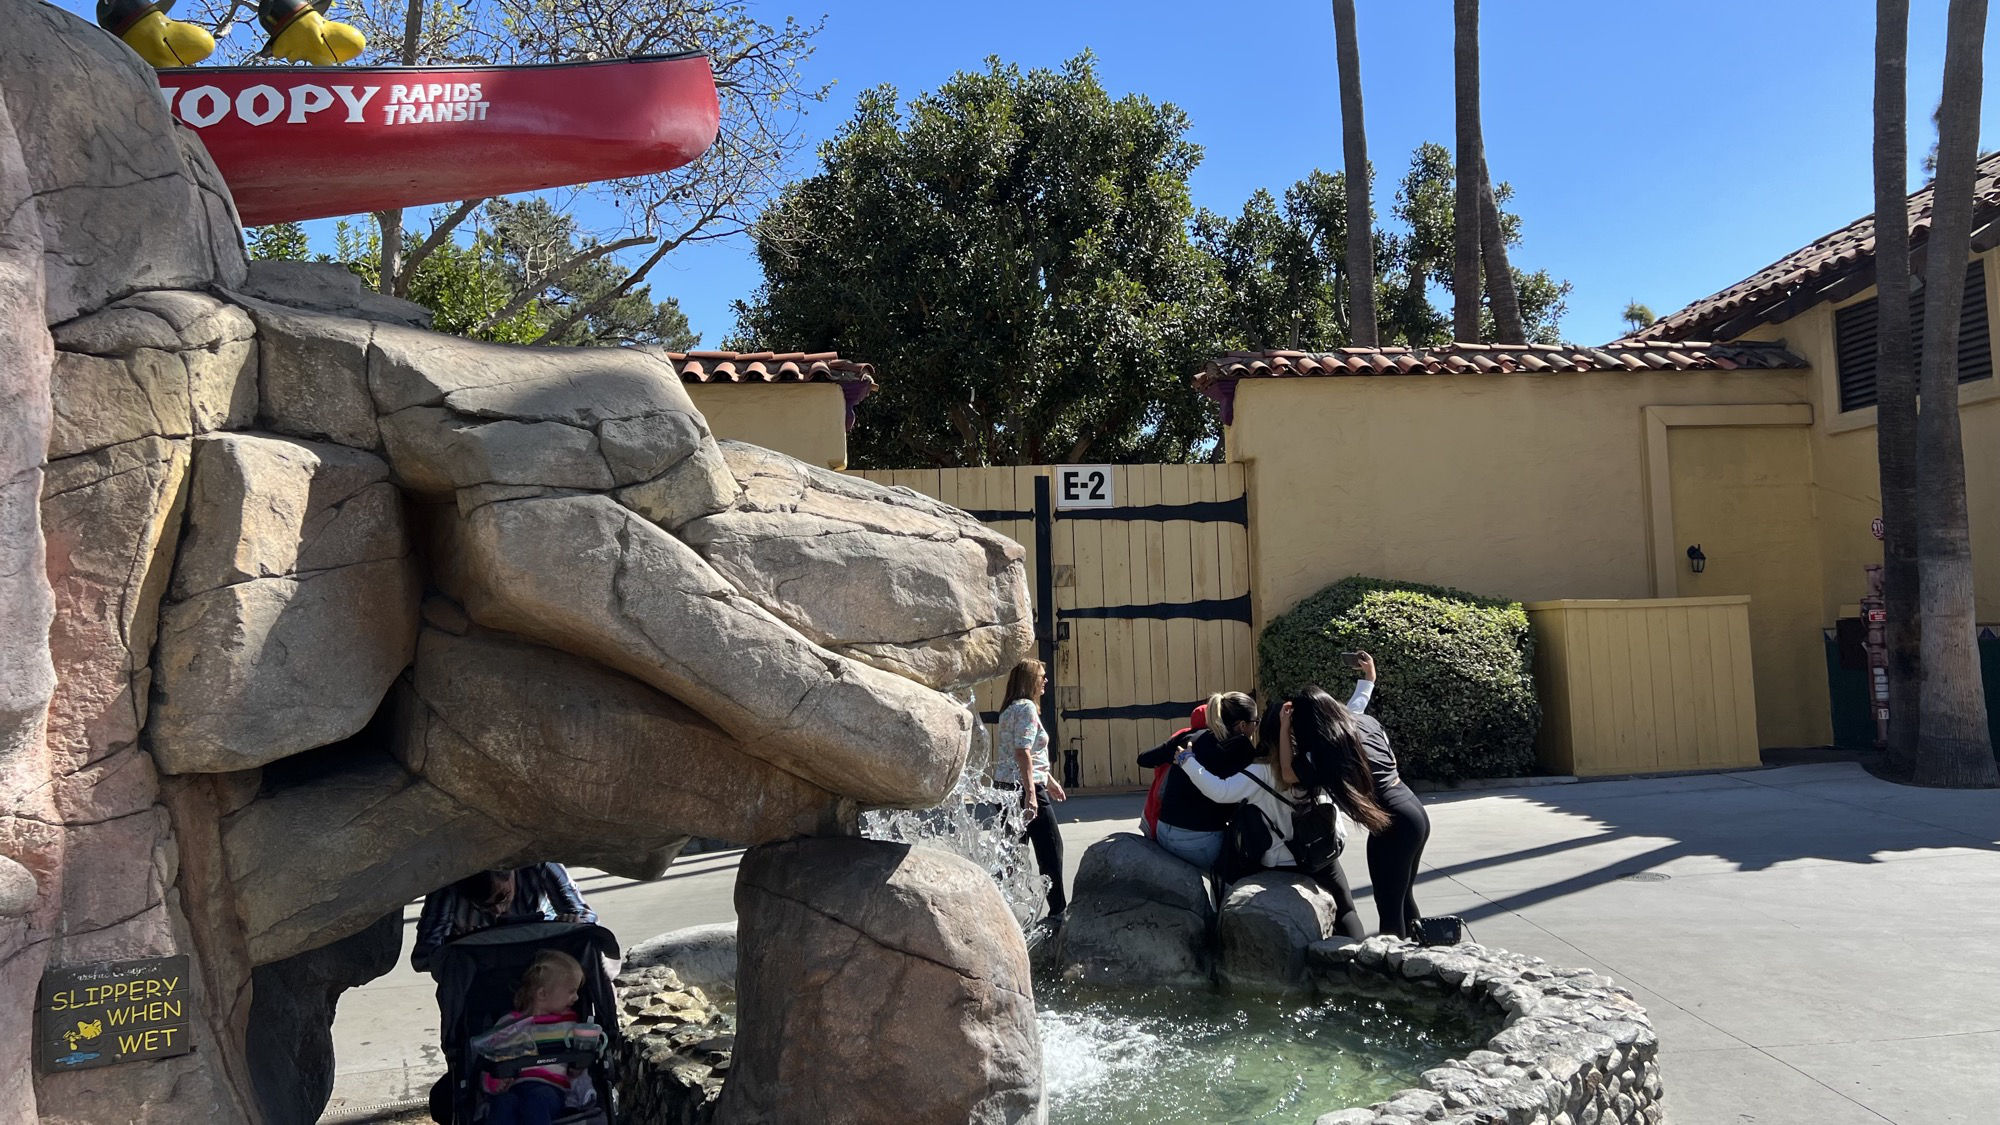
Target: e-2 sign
{"x": 1084, "y": 486}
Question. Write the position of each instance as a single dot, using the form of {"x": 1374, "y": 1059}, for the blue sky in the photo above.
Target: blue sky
{"x": 1658, "y": 150}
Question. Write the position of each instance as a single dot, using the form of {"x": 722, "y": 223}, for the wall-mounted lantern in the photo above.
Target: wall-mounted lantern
{"x": 1697, "y": 561}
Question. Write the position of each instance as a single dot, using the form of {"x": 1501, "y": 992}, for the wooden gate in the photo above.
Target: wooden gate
{"x": 1142, "y": 607}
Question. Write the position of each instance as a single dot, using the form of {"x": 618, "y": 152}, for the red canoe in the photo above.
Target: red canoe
{"x": 300, "y": 142}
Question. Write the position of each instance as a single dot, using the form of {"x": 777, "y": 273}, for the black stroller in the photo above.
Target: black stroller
{"x": 476, "y": 976}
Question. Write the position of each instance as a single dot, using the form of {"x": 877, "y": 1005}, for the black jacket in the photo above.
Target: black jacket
{"x": 1182, "y": 804}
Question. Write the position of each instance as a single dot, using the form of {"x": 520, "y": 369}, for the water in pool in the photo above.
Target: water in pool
{"x": 1199, "y": 1057}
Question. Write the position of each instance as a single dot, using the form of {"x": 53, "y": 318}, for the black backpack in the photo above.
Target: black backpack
{"x": 1315, "y": 839}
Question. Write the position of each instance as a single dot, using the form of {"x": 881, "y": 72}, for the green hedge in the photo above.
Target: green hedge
{"x": 1456, "y": 690}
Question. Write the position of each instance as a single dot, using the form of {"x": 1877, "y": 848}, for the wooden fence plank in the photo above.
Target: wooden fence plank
{"x": 1115, "y": 557}
{"x": 1182, "y": 671}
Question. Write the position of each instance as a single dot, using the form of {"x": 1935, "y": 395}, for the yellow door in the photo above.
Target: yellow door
{"x": 1744, "y": 494}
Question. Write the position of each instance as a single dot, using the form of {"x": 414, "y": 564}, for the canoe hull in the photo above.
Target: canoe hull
{"x": 298, "y": 143}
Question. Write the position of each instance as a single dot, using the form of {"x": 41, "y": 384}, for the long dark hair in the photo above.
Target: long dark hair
{"x": 1326, "y": 753}
{"x": 1267, "y": 729}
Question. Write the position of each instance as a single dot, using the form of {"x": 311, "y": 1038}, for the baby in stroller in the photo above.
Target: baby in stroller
{"x": 537, "y": 1041}
{"x": 529, "y": 1026}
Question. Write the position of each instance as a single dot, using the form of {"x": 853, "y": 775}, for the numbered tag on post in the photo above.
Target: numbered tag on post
{"x": 1084, "y": 486}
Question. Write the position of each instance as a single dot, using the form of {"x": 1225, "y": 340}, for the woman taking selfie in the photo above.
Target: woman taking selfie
{"x": 1327, "y": 745}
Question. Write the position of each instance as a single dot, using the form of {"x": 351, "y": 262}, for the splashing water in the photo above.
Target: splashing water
{"x": 975, "y": 821}
{"x": 1166, "y": 1057}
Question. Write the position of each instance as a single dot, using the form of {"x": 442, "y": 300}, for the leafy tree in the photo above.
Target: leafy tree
{"x": 1637, "y": 316}
{"x": 285, "y": 242}
{"x": 549, "y": 263}
{"x": 758, "y": 81}
{"x": 480, "y": 289}
{"x": 1014, "y": 248}
{"x": 1426, "y": 204}
{"x": 462, "y": 286}
{"x": 1284, "y": 265}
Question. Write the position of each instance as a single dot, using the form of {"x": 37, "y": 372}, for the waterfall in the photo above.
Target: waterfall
{"x": 976, "y": 821}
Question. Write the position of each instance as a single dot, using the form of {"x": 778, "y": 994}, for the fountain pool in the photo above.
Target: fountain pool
{"x": 1199, "y": 1057}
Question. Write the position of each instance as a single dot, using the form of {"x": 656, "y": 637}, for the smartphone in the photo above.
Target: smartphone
{"x": 1351, "y": 659}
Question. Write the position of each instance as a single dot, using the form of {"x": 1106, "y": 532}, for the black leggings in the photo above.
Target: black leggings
{"x": 1347, "y": 922}
{"x": 1394, "y": 855}
{"x": 1046, "y": 835}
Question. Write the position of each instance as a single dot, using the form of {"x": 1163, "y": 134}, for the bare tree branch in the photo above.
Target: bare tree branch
{"x": 535, "y": 286}
{"x": 440, "y": 231}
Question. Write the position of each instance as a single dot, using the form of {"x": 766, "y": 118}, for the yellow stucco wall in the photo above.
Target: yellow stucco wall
{"x": 805, "y": 420}
{"x": 1849, "y": 491}
{"x": 1591, "y": 485}
{"x": 1529, "y": 487}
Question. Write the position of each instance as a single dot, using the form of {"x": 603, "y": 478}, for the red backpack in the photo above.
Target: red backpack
{"x": 1149, "y": 819}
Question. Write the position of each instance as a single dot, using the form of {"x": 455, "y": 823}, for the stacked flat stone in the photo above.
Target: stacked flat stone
{"x": 1576, "y": 1049}
{"x": 676, "y": 1049}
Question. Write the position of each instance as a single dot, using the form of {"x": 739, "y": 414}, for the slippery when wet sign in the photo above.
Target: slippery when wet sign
{"x": 112, "y": 1012}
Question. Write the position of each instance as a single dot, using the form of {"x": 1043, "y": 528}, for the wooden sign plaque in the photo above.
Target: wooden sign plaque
{"x": 112, "y": 1012}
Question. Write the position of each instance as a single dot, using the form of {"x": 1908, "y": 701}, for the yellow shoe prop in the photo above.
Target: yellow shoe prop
{"x": 300, "y": 33}
{"x": 145, "y": 28}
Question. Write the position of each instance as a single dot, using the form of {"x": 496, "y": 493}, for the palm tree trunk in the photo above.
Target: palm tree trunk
{"x": 1507, "y": 326}
{"x": 1896, "y": 381}
{"x": 1953, "y": 746}
{"x": 1471, "y": 162}
{"x": 1363, "y": 329}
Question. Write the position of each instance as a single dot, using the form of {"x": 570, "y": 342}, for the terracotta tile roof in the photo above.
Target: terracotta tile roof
{"x": 856, "y": 380}
{"x": 769, "y": 367}
{"x": 1219, "y": 377}
{"x": 1831, "y": 269}
{"x": 1497, "y": 359}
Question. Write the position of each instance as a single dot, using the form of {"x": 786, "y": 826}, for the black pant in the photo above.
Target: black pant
{"x": 1046, "y": 835}
{"x": 1347, "y": 921}
{"x": 1394, "y": 855}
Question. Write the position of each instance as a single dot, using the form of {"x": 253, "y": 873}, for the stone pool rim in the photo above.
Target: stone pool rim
{"x": 1576, "y": 1048}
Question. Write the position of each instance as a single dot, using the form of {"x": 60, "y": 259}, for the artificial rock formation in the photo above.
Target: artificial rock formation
{"x": 1138, "y": 917}
{"x": 1268, "y": 922}
{"x": 310, "y": 610}
{"x": 878, "y": 982}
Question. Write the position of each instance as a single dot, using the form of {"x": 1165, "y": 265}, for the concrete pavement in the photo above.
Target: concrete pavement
{"x": 1816, "y": 946}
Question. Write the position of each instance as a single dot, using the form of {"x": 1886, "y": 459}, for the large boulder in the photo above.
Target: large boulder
{"x": 1269, "y": 921}
{"x": 586, "y": 575}
{"x": 327, "y": 287}
{"x": 295, "y": 604}
{"x": 124, "y": 204}
{"x": 581, "y": 757}
{"x": 1137, "y": 916}
{"x": 889, "y": 578}
{"x": 167, "y": 363}
{"x": 111, "y": 520}
{"x": 218, "y": 733}
{"x": 377, "y": 837}
{"x": 878, "y": 982}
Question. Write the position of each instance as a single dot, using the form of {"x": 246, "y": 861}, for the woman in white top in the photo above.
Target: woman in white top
{"x": 1023, "y": 752}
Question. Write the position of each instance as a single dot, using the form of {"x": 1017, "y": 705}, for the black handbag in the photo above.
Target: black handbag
{"x": 1440, "y": 929}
